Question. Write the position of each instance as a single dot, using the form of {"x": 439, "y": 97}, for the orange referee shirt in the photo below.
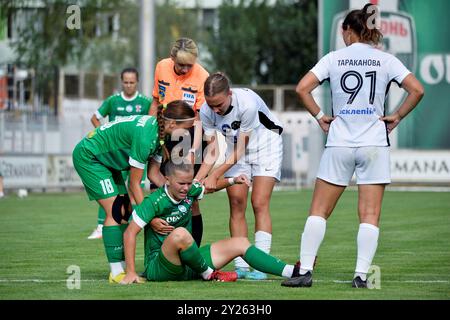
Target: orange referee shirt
{"x": 169, "y": 86}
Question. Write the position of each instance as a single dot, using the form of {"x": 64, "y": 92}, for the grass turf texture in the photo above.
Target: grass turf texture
{"x": 43, "y": 234}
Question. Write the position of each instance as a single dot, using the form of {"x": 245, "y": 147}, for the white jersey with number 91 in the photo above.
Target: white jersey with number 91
{"x": 359, "y": 76}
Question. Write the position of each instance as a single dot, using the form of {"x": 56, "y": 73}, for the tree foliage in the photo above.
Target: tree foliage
{"x": 263, "y": 43}
{"x": 255, "y": 42}
{"x": 43, "y": 39}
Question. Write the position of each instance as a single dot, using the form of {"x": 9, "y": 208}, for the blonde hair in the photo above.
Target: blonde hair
{"x": 184, "y": 51}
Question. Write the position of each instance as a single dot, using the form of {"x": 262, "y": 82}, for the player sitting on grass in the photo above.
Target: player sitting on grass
{"x": 176, "y": 256}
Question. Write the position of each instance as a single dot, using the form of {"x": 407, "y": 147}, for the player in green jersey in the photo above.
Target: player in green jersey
{"x": 176, "y": 256}
{"x": 125, "y": 144}
{"x": 126, "y": 103}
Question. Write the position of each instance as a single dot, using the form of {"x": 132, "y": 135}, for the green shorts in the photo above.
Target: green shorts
{"x": 161, "y": 269}
{"x": 99, "y": 181}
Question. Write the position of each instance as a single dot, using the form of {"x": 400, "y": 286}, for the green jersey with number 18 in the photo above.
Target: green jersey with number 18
{"x": 125, "y": 142}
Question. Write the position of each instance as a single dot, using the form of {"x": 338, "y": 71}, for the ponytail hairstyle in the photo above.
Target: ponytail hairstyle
{"x": 178, "y": 111}
{"x": 216, "y": 83}
{"x": 357, "y": 20}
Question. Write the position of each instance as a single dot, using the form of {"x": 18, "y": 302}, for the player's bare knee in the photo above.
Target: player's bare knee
{"x": 181, "y": 236}
{"x": 243, "y": 242}
{"x": 238, "y": 203}
{"x": 240, "y": 245}
{"x": 260, "y": 205}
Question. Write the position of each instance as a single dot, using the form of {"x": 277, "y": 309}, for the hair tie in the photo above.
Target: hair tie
{"x": 161, "y": 142}
{"x": 164, "y": 106}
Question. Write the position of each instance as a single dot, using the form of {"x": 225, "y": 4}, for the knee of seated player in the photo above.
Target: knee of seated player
{"x": 242, "y": 243}
{"x": 181, "y": 237}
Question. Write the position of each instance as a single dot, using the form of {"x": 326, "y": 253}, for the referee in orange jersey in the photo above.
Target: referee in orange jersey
{"x": 180, "y": 77}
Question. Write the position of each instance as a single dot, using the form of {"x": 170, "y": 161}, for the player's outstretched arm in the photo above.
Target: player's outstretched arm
{"x": 211, "y": 154}
{"x": 227, "y": 182}
{"x": 211, "y": 181}
{"x": 129, "y": 242}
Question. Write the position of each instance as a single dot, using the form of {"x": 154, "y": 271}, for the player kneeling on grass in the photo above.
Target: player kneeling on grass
{"x": 175, "y": 256}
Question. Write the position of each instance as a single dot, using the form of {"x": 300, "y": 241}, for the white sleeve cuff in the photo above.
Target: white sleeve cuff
{"x": 141, "y": 223}
{"x": 316, "y": 72}
{"x": 98, "y": 115}
{"x": 136, "y": 164}
{"x": 200, "y": 197}
{"x": 157, "y": 158}
{"x": 210, "y": 132}
{"x": 403, "y": 76}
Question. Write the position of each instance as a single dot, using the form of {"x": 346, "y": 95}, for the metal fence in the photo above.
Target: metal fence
{"x": 36, "y": 147}
{"x": 29, "y": 141}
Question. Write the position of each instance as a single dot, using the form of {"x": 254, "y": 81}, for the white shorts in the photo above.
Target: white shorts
{"x": 371, "y": 165}
{"x": 260, "y": 162}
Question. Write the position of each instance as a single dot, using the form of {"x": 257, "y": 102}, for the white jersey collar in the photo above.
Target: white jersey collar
{"x": 361, "y": 44}
{"x": 129, "y": 99}
{"x": 168, "y": 195}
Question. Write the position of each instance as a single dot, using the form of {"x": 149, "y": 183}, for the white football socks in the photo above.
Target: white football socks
{"x": 288, "y": 270}
{"x": 367, "y": 241}
{"x": 240, "y": 263}
{"x": 207, "y": 273}
{"x": 263, "y": 241}
{"x": 116, "y": 268}
{"x": 312, "y": 237}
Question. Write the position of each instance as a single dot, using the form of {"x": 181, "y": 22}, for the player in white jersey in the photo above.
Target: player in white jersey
{"x": 357, "y": 142}
{"x": 254, "y": 148}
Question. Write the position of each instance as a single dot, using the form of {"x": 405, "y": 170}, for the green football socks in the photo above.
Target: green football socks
{"x": 264, "y": 262}
{"x": 101, "y": 216}
{"x": 192, "y": 257}
{"x": 113, "y": 241}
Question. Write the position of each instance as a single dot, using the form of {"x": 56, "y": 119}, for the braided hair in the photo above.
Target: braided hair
{"x": 161, "y": 134}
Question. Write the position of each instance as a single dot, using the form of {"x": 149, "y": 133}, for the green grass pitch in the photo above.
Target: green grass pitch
{"x": 43, "y": 234}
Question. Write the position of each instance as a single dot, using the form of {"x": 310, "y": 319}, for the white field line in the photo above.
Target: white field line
{"x": 268, "y": 280}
